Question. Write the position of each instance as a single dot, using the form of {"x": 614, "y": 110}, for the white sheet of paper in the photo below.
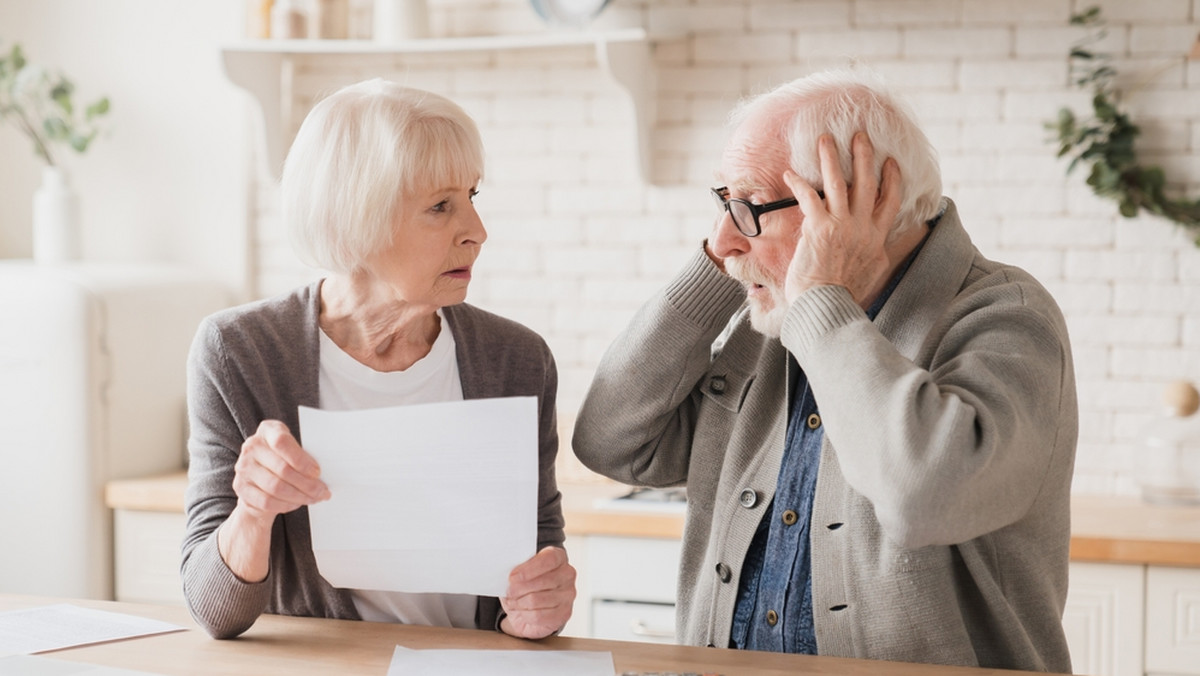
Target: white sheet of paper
{"x": 34, "y": 630}
{"x": 31, "y": 665}
{"x": 408, "y": 662}
{"x": 435, "y": 498}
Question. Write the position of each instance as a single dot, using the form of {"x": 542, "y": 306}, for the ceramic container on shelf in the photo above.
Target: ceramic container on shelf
{"x": 568, "y": 13}
{"x": 1169, "y": 467}
{"x": 56, "y": 234}
{"x": 397, "y": 20}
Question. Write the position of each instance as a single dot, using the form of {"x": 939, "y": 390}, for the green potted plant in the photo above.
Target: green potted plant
{"x": 40, "y": 104}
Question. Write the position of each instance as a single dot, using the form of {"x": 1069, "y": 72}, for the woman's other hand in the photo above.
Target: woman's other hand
{"x": 540, "y": 594}
{"x": 273, "y": 476}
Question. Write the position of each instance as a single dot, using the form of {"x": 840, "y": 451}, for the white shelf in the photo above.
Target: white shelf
{"x": 263, "y": 68}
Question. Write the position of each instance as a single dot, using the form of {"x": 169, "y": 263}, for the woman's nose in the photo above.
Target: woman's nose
{"x": 474, "y": 232}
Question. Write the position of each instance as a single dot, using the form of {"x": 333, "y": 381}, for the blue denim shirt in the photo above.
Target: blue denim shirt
{"x": 774, "y": 607}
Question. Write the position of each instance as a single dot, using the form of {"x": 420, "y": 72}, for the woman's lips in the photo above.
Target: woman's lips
{"x": 459, "y": 273}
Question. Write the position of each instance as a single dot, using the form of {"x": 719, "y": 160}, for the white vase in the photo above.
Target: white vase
{"x": 55, "y": 219}
{"x": 397, "y": 20}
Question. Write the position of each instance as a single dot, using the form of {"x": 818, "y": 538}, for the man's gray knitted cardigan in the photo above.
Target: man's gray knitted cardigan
{"x": 940, "y": 526}
{"x": 260, "y": 361}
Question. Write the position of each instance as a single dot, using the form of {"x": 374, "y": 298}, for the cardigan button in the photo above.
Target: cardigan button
{"x": 748, "y": 498}
{"x": 716, "y": 384}
{"x": 724, "y": 573}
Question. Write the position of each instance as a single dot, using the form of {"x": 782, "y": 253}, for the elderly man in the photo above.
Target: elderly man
{"x": 876, "y": 424}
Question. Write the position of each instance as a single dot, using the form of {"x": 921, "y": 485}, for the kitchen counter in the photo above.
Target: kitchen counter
{"x": 1104, "y": 529}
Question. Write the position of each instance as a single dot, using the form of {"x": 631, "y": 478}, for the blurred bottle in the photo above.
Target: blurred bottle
{"x": 362, "y": 13}
{"x": 289, "y": 20}
{"x": 330, "y": 19}
{"x": 258, "y": 19}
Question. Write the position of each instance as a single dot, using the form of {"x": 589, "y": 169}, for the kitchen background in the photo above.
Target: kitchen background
{"x": 578, "y": 238}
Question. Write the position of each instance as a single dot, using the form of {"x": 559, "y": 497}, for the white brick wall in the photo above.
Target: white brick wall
{"x": 577, "y": 240}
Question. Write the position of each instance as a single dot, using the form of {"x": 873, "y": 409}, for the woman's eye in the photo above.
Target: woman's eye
{"x": 473, "y": 194}
{"x": 441, "y": 206}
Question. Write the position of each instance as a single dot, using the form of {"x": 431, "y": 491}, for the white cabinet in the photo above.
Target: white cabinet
{"x": 626, "y": 587}
{"x": 1172, "y": 620}
{"x": 1103, "y": 618}
{"x": 92, "y": 388}
{"x": 147, "y": 546}
{"x": 624, "y": 621}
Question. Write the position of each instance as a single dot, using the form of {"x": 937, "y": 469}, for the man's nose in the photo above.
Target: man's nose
{"x": 726, "y": 239}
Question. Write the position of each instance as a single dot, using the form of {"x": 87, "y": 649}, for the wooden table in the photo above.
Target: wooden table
{"x": 303, "y": 646}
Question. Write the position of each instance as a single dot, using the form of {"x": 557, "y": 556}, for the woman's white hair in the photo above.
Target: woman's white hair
{"x": 357, "y": 155}
{"x": 841, "y": 103}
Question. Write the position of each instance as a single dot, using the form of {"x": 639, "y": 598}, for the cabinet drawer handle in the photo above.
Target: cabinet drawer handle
{"x": 639, "y": 628}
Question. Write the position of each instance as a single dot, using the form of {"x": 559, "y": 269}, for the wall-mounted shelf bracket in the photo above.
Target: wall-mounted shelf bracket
{"x": 264, "y": 69}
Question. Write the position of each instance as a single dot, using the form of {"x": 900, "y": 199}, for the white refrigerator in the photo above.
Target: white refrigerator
{"x": 92, "y": 388}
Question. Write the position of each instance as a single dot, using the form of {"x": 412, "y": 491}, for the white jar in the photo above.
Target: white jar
{"x": 397, "y": 20}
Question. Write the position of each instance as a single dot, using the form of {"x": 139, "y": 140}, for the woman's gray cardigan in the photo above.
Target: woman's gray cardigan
{"x": 260, "y": 361}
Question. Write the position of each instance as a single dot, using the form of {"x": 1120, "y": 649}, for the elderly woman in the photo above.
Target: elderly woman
{"x": 378, "y": 189}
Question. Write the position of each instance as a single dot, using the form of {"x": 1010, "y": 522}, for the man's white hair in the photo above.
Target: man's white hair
{"x": 841, "y": 103}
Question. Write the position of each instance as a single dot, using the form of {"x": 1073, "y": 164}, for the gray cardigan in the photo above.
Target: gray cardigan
{"x": 940, "y": 526}
{"x": 260, "y": 361}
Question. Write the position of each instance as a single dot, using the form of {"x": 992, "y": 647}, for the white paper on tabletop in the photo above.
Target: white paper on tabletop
{"x": 435, "y": 498}
{"x": 407, "y": 662}
{"x": 34, "y": 630}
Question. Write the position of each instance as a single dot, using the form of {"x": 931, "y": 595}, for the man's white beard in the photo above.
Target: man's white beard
{"x": 770, "y": 322}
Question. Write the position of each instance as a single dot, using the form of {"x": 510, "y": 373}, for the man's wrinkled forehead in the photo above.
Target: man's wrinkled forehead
{"x": 756, "y": 156}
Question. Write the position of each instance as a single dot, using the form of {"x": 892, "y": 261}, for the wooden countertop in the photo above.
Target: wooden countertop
{"x": 308, "y": 646}
{"x": 1103, "y": 529}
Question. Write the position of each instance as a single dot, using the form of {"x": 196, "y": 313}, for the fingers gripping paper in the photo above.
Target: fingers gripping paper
{"x": 426, "y": 498}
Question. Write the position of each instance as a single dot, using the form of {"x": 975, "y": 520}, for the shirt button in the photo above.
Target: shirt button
{"x": 814, "y": 421}
{"x": 772, "y": 618}
{"x": 748, "y": 498}
{"x": 716, "y": 384}
{"x": 789, "y": 517}
{"x": 724, "y": 573}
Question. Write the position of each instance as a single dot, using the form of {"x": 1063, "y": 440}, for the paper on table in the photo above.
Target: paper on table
{"x": 407, "y": 662}
{"x": 35, "y": 630}
{"x": 30, "y": 665}
{"x": 426, "y": 498}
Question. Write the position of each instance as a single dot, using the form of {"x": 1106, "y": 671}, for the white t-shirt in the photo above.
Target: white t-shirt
{"x": 346, "y": 384}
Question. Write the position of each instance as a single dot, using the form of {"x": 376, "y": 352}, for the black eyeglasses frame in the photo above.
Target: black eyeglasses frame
{"x": 721, "y": 197}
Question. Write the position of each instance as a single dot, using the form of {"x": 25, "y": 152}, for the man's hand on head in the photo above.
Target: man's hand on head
{"x": 842, "y": 240}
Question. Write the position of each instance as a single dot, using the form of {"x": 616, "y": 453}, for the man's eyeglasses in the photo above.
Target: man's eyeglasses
{"x": 745, "y": 213}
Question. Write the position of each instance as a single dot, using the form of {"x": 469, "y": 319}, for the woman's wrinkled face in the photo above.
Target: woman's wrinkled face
{"x": 436, "y": 238}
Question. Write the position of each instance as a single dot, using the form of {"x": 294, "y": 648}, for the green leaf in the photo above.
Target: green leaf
{"x": 97, "y": 109}
{"x": 1128, "y": 209}
{"x": 56, "y": 129}
{"x": 80, "y": 143}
